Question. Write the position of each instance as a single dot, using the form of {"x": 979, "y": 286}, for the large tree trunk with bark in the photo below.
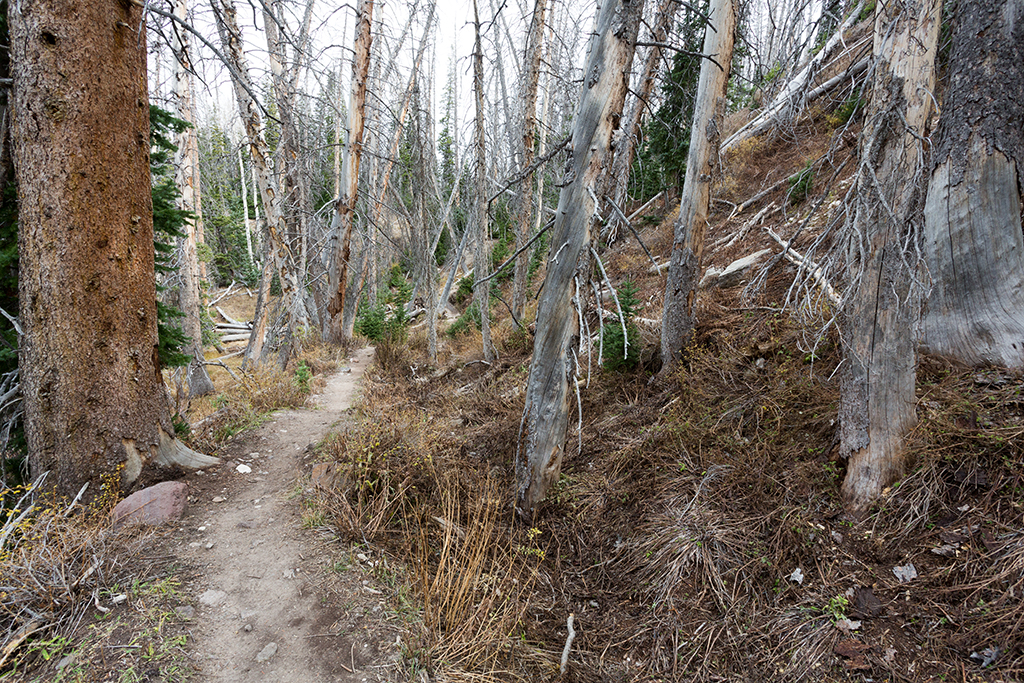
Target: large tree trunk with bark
{"x": 345, "y": 203}
{"x": 187, "y": 180}
{"x": 554, "y": 365}
{"x": 877, "y": 402}
{"x": 688, "y": 243}
{"x": 973, "y": 244}
{"x": 95, "y": 402}
{"x": 481, "y": 256}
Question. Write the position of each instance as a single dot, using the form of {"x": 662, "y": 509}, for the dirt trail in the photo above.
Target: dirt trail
{"x": 268, "y": 607}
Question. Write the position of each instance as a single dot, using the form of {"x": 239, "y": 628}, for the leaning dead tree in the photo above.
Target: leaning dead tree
{"x": 277, "y": 246}
{"x": 688, "y": 242}
{"x": 340, "y": 245}
{"x": 555, "y": 365}
{"x": 877, "y": 387}
{"x": 973, "y": 244}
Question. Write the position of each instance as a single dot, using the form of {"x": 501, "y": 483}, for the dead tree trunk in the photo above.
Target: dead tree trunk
{"x": 625, "y": 151}
{"x": 531, "y": 82}
{"x": 481, "y": 288}
{"x": 554, "y": 367}
{"x": 345, "y": 204}
{"x": 277, "y": 246}
{"x": 877, "y": 403}
{"x": 186, "y": 178}
{"x": 688, "y": 244}
{"x": 973, "y": 244}
{"x": 94, "y": 398}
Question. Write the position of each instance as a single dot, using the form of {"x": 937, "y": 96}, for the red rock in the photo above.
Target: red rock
{"x": 153, "y": 505}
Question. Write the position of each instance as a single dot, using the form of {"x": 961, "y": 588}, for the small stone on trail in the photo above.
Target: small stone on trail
{"x": 194, "y": 544}
{"x": 266, "y": 653}
{"x": 247, "y": 628}
{"x": 797, "y": 576}
{"x": 212, "y": 597}
{"x": 208, "y": 546}
{"x": 219, "y": 499}
{"x": 243, "y": 469}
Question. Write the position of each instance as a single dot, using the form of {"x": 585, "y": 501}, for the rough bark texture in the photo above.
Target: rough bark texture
{"x": 95, "y": 402}
{"x": 531, "y": 79}
{"x": 187, "y": 180}
{"x": 688, "y": 243}
{"x": 481, "y": 255}
{"x": 973, "y": 244}
{"x": 877, "y": 403}
{"x": 553, "y": 368}
{"x": 345, "y": 204}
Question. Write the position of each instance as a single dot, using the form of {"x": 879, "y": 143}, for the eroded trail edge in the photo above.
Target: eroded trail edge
{"x": 269, "y": 596}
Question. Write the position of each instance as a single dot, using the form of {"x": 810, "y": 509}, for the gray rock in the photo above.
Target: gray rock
{"x": 153, "y": 505}
{"x": 266, "y": 653}
{"x": 212, "y": 597}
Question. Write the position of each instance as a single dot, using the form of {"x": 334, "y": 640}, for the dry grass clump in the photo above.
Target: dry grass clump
{"x": 57, "y": 562}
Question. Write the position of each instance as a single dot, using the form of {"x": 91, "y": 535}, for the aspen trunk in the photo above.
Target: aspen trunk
{"x": 688, "y": 244}
{"x": 95, "y": 402}
{"x": 531, "y": 81}
{"x": 973, "y": 244}
{"x": 345, "y": 204}
{"x": 554, "y": 367}
{"x": 186, "y": 178}
{"x": 877, "y": 402}
{"x": 481, "y": 289}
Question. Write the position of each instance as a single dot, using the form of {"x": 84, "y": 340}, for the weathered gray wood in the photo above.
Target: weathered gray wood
{"x": 877, "y": 401}
{"x": 973, "y": 245}
{"x": 688, "y": 242}
{"x": 553, "y": 368}
{"x": 481, "y": 292}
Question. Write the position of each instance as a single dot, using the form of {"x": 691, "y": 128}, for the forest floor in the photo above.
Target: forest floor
{"x": 274, "y": 601}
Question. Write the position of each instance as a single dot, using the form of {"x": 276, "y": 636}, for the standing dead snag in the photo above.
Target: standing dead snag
{"x": 877, "y": 402}
{"x": 688, "y": 244}
{"x": 545, "y": 416}
{"x": 345, "y": 204}
{"x": 481, "y": 290}
{"x": 94, "y": 398}
{"x": 973, "y": 244}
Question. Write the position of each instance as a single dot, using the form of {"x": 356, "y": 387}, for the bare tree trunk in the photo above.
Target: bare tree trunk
{"x": 481, "y": 288}
{"x": 345, "y": 204}
{"x": 625, "y": 151}
{"x": 688, "y": 244}
{"x": 186, "y": 178}
{"x": 531, "y": 81}
{"x": 973, "y": 244}
{"x": 877, "y": 402}
{"x": 554, "y": 367}
{"x": 352, "y": 303}
{"x": 245, "y": 211}
{"x": 277, "y": 247}
{"x": 94, "y": 398}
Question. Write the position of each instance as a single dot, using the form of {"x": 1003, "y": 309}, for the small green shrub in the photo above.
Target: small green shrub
{"x": 462, "y": 325}
{"x": 302, "y": 376}
{"x": 801, "y": 184}
{"x": 464, "y": 291}
{"x": 618, "y": 355}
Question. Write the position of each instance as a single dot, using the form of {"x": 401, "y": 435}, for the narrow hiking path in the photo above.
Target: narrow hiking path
{"x": 275, "y": 601}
